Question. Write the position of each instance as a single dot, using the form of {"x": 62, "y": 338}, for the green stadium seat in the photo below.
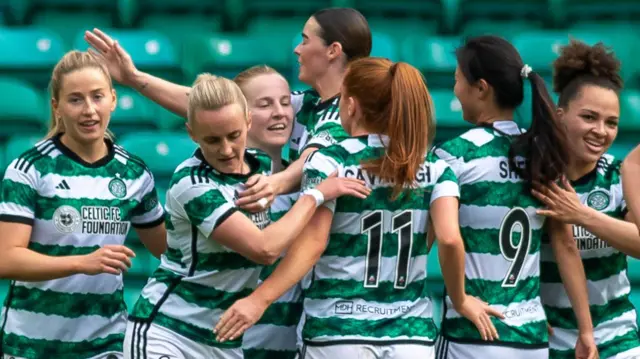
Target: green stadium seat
{"x": 504, "y": 28}
{"x": 240, "y": 11}
{"x": 176, "y": 26}
{"x": 30, "y": 54}
{"x": 18, "y": 144}
{"x": 630, "y": 115}
{"x": 537, "y": 10}
{"x": 620, "y": 148}
{"x": 68, "y": 24}
{"x": 434, "y": 273}
{"x": 278, "y": 26}
{"x": 22, "y": 9}
{"x": 133, "y": 112}
{"x": 434, "y": 56}
{"x": 143, "y": 264}
{"x": 448, "y": 114}
{"x": 400, "y": 29}
{"x": 168, "y": 120}
{"x": 539, "y": 49}
{"x": 21, "y": 109}
{"x": 132, "y": 288}
{"x": 161, "y": 151}
{"x": 228, "y": 54}
{"x": 600, "y": 9}
{"x": 150, "y": 50}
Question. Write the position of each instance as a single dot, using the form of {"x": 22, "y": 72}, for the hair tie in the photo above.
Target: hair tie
{"x": 525, "y": 71}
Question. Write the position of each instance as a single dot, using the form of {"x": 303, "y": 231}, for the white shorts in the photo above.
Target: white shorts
{"x": 151, "y": 341}
{"x": 364, "y": 351}
{"x": 110, "y": 355}
{"x": 446, "y": 349}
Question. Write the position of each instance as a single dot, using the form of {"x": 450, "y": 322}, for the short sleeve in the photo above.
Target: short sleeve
{"x": 326, "y": 134}
{"x": 318, "y": 167}
{"x": 149, "y": 212}
{"x": 206, "y": 207}
{"x": 18, "y": 194}
{"x": 446, "y": 182}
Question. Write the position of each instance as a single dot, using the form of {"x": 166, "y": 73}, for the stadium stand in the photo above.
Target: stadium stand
{"x": 178, "y": 39}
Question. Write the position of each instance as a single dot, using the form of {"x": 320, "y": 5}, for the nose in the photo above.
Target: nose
{"x": 599, "y": 129}
{"x": 297, "y": 50}
{"x": 225, "y": 149}
{"x": 89, "y": 108}
{"x": 278, "y": 111}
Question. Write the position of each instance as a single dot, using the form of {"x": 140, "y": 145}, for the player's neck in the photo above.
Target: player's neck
{"x": 577, "y": 169}
{"x": 328, "y": 85}
{"x": 88, "y": 152}
{"x": 274, "y": 152}
{"x": 493, "y": 115}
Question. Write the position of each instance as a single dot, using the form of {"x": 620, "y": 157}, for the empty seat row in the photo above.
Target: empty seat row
{"x": 448, "y": 13}
{"x": 36, "y": 50}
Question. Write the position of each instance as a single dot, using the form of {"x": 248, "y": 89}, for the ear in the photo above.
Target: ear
{"x": 334, "y": 51}
{"x": 54, "y": 107}
{"x": 115, "y": 99}
{"x": 249, "y": 120}
{"x": 483, "y": 88}
{"x": 352, "y": 106}
{"x": 560, "y": 112}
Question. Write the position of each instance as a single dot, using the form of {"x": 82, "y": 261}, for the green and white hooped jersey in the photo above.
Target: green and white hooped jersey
{"x": 369, "y": 285}
{"x": 317, "y": 122}
{"x": 502, "y": 234}
{"x": 613, "y": 314}
{"x": 275, "y": 334}
{"x": 198, "y": 278}
{"x": 74, "y": 208}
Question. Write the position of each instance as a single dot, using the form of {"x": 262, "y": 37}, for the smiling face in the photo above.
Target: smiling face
{"x": 269, "y": 100}
{"x": 84, "y": 105}
{"x": 592, "y": 123}
{"x": 222, "y": 137}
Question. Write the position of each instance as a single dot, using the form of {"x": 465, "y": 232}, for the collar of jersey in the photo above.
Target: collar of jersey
{"x": 73, "y": 156}
{"x": 254, "y": 165}
{"x": 507, "y": 127}
{"x": 320, "y": 105}
{"x": 374, "y": 139}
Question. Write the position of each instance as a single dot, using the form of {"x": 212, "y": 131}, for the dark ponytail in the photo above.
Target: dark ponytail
{"x": 496, "y": 61}
{"x": 543, "y": 145}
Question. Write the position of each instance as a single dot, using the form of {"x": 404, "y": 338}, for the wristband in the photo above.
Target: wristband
{"x": 316, "y": 194}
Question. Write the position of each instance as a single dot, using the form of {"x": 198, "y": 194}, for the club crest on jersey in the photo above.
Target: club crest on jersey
{"x": 66, "y": 219}
{"x": 117, "y": 188}
{"x": 598, "y": 199}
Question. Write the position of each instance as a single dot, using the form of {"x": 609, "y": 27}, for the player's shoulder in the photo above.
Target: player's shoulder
{"x": 134, "y": 163}
{"x": 469, "y": 144}
{"x": 191, "y": 172}
{"x": 26, "y": 164}
{"x": 608, "y": 167}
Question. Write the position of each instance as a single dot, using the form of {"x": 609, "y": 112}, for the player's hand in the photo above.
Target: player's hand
{"x": 563, "y": 203}
{"x": 118, "y": 61}
{"x": 333, "y": 187}
{"x": 112, "y": 259}
{"x": 586, "y": 347}
{"x": 238, "y": 318}
{"x": 258, "y": 194}
{"x": 478, "y": 313}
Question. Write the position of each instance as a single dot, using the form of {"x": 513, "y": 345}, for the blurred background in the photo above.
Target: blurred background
{"x": 177, "y": 39}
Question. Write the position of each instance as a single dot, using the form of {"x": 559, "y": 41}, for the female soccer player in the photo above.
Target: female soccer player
{"x": 331, "y": 38}
{"x": 214, "y": 250}
{"x": 630, "y": 176}
{"x": 368, "y": 293}
{"x": 66, "y": 207}
{"x": 495, "y": 164}
{"x": 587, "y": 78}
{"x": 269, "y": 102}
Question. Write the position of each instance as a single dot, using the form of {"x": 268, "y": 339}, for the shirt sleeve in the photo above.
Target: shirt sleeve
{"x": 316, "y": 169}
{"x": 149, "y": 212}
{"x": 206, "y": 207}
{"x": 446, "y": 182}
{"x": 18, "y": 193}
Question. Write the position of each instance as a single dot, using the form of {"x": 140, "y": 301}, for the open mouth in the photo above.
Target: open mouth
{"x": 226, "y": 160}
{"x": 595, "y": 146}
{"x": 89, "y": 124}
{"x": 277, "y": 127}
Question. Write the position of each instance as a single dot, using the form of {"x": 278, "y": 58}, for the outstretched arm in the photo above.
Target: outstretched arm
{"x": 631, "y": 184}
{"x": 173, "y": 97}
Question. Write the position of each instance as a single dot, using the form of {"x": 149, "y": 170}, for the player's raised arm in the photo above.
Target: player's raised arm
{"x": 173, "y": 97}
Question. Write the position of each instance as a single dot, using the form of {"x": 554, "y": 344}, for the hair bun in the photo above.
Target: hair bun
{"x": 579, "y": 59}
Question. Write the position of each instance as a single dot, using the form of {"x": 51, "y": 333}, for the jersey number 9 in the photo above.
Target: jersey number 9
{"x": 515, "y": 253}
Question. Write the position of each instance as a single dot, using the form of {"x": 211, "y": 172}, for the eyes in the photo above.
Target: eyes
{"x": 266, "y": 103}
{"x": 97, "y": 97}
{"x": 589, "y": 117}
{"x": 216, "y": 140}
